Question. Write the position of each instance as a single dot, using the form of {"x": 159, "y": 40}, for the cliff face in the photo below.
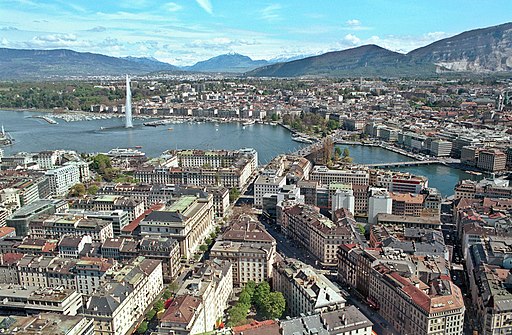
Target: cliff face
{"x": 480, "y": 50}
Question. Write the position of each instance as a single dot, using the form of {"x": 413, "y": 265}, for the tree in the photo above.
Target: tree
{"x": 203, "y": 247}
{"x": 275, "y": 306}
{"x": 234, "y": 193}
{"x": 167, "y": 294}
{"x": 275, "y": 117}
{"x": 143, "y": 327}
{"x": 150, "y": 314}
{"x": 77, "y": 190}
{"x": 245, "y": 298}
{"x": 158, "y": 306}
{"x": 92, "y": 190}
{"x": 337, "y": 153}
{"x": 361, "y": 228}
{"x": 261, "y": 295}
{"x": 250, "y": 287}
{"x": 346, "y": 153}
{"x": 101, "y": 162}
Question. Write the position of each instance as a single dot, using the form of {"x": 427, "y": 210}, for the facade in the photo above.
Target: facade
{"x": 440, "y": 148}
{"x": 61, "y": 179}
{"x": 124, "y": 296}
{"x": 165, "y": 249}
{"x": 319, "y": 235}
{"x": 380, "y": 201}
{"x": 189, "y": 220}
{"x": 343, "y": 199}
{"x": 492, "y": 160}
{"x": 249, "y": 248}
{"x": 327, "y": 176}
{"x": 206, "y": 295}
{"x": 407, "y": 204}
{"x": 47, "y": 324}
{"x": 267, "y": 185}
{"x": 305, "y": 290}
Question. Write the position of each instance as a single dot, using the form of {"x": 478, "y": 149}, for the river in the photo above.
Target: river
{"x": 33, "y": 135}
{"x": 439, "y": 176}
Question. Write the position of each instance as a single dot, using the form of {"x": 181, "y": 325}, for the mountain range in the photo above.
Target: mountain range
{"x": 486, "y": 50}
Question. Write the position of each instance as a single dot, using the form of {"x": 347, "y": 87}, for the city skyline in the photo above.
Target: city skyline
{"x": 182, "y": 33}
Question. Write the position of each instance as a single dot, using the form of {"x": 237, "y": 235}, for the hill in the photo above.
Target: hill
{"x": 232, "y": 62}
{"x": 44, "y": 64}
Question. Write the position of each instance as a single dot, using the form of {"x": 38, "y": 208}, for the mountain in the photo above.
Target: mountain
{"x": 366, "y": 60}
{"x": 480, "y": 50}
{"x": 151, "y": 62}
{"x": 43, "y": 64}
{"x": 232, "y": 62}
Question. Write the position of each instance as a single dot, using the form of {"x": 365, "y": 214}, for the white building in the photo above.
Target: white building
{"x": 267, "y": 185}
{"x": 343, "y": 199}
{"x": 62, "y": 179}
{"x": 380, "y": 201}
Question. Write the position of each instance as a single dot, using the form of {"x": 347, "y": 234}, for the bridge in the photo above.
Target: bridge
{"x": 402, "y": 164}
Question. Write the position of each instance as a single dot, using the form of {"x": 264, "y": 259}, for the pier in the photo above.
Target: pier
{"x": 403, "y": 164}
{"x": 46, "y": 118}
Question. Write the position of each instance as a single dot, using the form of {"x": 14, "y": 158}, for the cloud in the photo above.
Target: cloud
{"x": 56, "y": 38}
{"x": 97, "y": 29}
{"x": 4, "y": 42}
{"x": 172, "y": 7}
{"x": 352, "y": 39}
{"x": 206, "y": 5}
{"x": 10, "y": 28}
{"x": 271, "y": 12}
{"x": 219, "y": 43}
{"x": 353, "y": 22}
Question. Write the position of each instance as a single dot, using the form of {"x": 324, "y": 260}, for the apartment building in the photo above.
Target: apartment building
{"x": 407, "y": 204}
{"x": 133, "y": 207}
{"x": 189, "y": 220}
{"x": 249, "y": 248}
{"x": 267, "y": 185}
{"x": 319, "y": 235}
{"x": 305, "y": 290}
{"x": 326, "y": 176}
{"x": 47, "y": 324}
{"x": 61, "y": 179}
{"x": 492, "y": 160}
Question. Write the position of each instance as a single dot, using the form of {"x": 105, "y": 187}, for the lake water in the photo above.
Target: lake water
{"x": 33, "y": 135}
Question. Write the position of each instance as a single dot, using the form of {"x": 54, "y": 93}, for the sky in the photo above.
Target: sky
{"x": 182, "y": 32}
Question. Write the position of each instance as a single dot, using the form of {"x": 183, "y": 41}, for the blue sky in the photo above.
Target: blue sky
{"x": 184, "y": 32}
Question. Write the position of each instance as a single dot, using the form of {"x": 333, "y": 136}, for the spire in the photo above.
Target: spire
{"x": 128, "y": 104}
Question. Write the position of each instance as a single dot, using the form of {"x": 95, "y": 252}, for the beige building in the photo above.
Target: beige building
{"x": 492, "y": 160}
{"x": 47, "y": 324}
{"x": 327, "y": 176}
{"x": 249, "y": 248}
{"x": 189, "y": 220}
{"x": 305, "y": 290}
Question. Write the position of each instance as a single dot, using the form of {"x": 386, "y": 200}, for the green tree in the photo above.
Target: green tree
{"x": 237, "y": 314}
{"x": 250, "y": 287}
{"x": 101, "y": 162}
{"x": 274, "y": 117}
{"x": 337, "y": 153}
{"x": 261, "y": 295}
{"x": 150, "y": 314}
{"x": 332, "y": 124}
{"x": 346, "y": 153}
{"x": 275, "y": 306}
{"x": 234, "y": 193}
{"x": 92, "y": 190}
{"x": 77, "y": 190}
{"x": 158, "y": 306}
{"x": 203, "y": 247}
{"x": 143, "y": 327}
{"x": 361, "y": 228}
{"x": 167, "y": 294}
{"x": 245, "y": 298}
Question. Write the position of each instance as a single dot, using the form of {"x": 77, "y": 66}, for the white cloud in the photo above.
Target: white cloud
{"x": 206, "y": 5}
{"x": 56, "y": 38}
{"x": 353, "y": 22}
{"x": 352, "y": 39}
{"x": 172, "y": 7}
{"x": 271, "y": 12}
{"x": 4, "y": 42}
{"x": 97, "y": 29}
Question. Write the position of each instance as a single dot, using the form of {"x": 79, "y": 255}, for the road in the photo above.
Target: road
{"x": 380, "y": 325}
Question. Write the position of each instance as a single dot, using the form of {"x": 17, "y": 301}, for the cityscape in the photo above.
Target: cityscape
{"x": 160, "y": 178}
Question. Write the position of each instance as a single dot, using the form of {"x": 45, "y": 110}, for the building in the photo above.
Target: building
{"x": 29, "y": 299}
{"x": 124, "y": 296}
{"x": 165, "y": 249}
{"x": 56, "y": 226}
{"x": 343, "y": 198}
{"x": 345, "y": 321}
{"x": 267, "y": 185}
{"x": 110, "y": 203}
{"x": 380, "y": 201}
{"x": 326, "y": 176}
{"x": 305, "y": 290}
{"x": 61, "y": 179}
{"x": 21, "y": 218}
{"x": 249, "y": 248}
{"x": 492, "y": 160}
{"x": 201, "y": 300}
{"x": 319, "y": 235}
{"x": 407, "y": 204}
{"x": 440, "y": 148}
{"x": 47, "y": 324}
{"x": 189, "y": 220}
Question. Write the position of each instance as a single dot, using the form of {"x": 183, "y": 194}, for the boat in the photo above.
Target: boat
{"x": 121, "y": 152}
{"x": 474, "y": 173}
{"x": 170, "y": 129}
{"x": 138, "y": 146}
{"x": 302, "y": 139}
{"x": 249, "y": 123}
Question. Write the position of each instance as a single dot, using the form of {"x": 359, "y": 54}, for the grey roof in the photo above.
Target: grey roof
{"x": 165, "y": 216}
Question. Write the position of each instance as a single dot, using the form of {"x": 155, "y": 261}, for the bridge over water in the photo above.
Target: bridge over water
{"x": 402, "y": 164}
